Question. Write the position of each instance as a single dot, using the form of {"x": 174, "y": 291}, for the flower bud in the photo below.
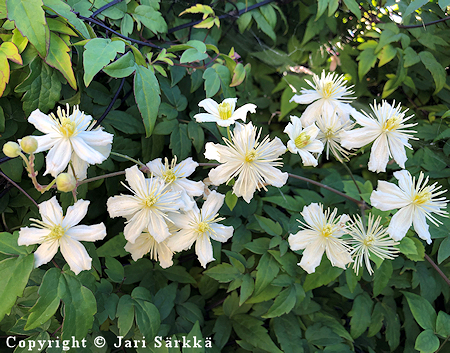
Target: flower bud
{"x": 65, "y": 182}
{"x": 29, "y": 144}
{"x": 11, "y": 149}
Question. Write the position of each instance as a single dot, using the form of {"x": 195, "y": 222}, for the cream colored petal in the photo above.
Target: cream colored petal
{"x": 311, "y": 113}
{"x": 421, "y": 226}
{"x": 156, "y": 167}
{"x": 42, "y": 122}
{"x": 212, "y": 151}
{"x": 212, "y": 205}
{"x": 207, "y": 118}
{"x": 224, "y": 172}
{"x": 75, "y": 213}
{"x": 87, "y": 233}
{"x": 307, "y": 158}
{"x": 246, "y": 184}
{"x": 183, "y": 220}
{"x": 397, "y": 149}
{"x": 315, "y": 146}
{"x": 45, "y": 252}
{"x": 357, "y": 138}
{"x": 30, "y": 236}
{"x": 58, "y": 158}
{"x": 96, "y": 137}
{"x": 140, "y": 247}
{"x": 136, "y": 180}
{"x": 221, "y": 233}
{"x": 136, "y": 225}
{"x": 241, "y": 113}
{"x": 45, "y": 142}
{"x": 192, "y": 188}
{"x": 404, "y": 181}
{"x": 121, "y": 206}
{"x": 75, "y": 254}
{"x": 305, "y": 98}
{"x": 401, "y": 222}
{"x": 181, "y": 240}
{"x": 338, "y": 254}
{"x": 312, "y": 256}
{"x": 51, "y": 211}
{"x": 204, "y": 250}
{"x": 164, "y": 255}
{"x": 379, "y": 155}
{"x": 388, "y": 197}
{"x": 231, "y": 101}
{"x": 301, "y": 239}
{"x": 157, "y": 227}
{"x": 85, "y": 151}
{"x": 210, "y": 106}
{"x": 274, "y": 176}
{"x": 79, "y": 166}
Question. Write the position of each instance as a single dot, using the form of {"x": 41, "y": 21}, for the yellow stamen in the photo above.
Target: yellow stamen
{"x": 327, "y": 230}
{"x": 149, "y": 201}
{"x": 56, "y": 233}
{"x": 68, "y": 127}
{"x": 392, "y": 123}
{"x": 422, "y": 197}
{"x": 328, "y": 89}
{"x": 369, "y": 240}
{"x": 302, "y": 140}
{"x": 250, "y": 156}
{"x": 169, "y": 176}
{"x": 225, "y": 111}
{"x": 203, "y": 227}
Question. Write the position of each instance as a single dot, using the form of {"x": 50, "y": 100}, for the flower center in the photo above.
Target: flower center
{"x": 67, "y": 127}
{"x": 203, "y": 227}
{"x": 149, "y": 201}
{"x": 422, "y": 197}
{"x": 56, "y": 233}
{"x": 251, "y": 156}
{"x": 169, "y": 176}
{"x": 225, "y": 111}
{"x": 302, "y": 140}
{"x": 327, "y": 230}
{"x": 392, "y": 123}
{"x": 328, "y": 89}
{"x": 369, "y": 240}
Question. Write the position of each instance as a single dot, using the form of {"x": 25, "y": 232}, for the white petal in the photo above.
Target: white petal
{"x": 185, "y": 168}
{"x": 211, "y": 151}
{"x": 96, "y": 137}
{"x": 42, "y": 122}
{"x": 274, "y": 176}
{"x": 79, "y": 166}
{"x": 45, "y": 142}
{"x": 136, "y": 225}
{"x": 312, "y": 256}
{"x": 388, "y": 196}
{"x": 120, "y": 206}
{"x": 221, "y": 233}
{"x": 136, "y": 179}
{"x": 357, "y": 138}
{"x": 232, "y": 102}
{"x": 241, "y": 113}
{"x": 212, "y": 205}
{"x": 58, "y": 158}
{"x": 307, "y": 158}
{"x": 181, "y": 240}
{"x": 397, "y": 149}
{"x": 401, "y": 222}
{"x": 223, "y": 173}
{"x": 315, "y": 146}
{"x": 338, "y": 254}
{"x": 204, "y": 250}
{"x": 379, "y": 155}
{"x": 421, "y": 226}
{"x": 311, "y": 113}
{"x": 156, "y": 167}
{"x": 192, "y": 188}
{"x": 305, "y": 98}
{"x": 86, "y": 152}
{"x": 75, "y": 254}
{"x": 29, "y": 236}
{"x": 164, "y": 255}
{"x": 157, "y": 227}
{"x": 301, "y": 239}
{"x": 87, "y": 233}
{"x": 51, "y": 211}
{"x": 210, "y": 106}
{"x": 207, "y": 118}
{"x": 75, "y": 213}
{"x": 45, "y": 252}
{"x": 140, "y": 247}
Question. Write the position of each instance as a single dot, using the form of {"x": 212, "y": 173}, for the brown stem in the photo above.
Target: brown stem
{"x": 19, "y": 188}
{"x": 438, "y": 270}
{"x": 425, "y": 24}
{"x": 101, "y": 177}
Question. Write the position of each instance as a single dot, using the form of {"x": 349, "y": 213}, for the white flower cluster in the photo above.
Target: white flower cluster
{"x": 161, "y": 212}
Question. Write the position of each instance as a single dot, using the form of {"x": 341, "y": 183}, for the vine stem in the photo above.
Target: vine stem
{"x": 100, "y": 177}
{"x": 438, "y": 270}
{"x": 19, "y": 188}
{"x": 425, "y": 24}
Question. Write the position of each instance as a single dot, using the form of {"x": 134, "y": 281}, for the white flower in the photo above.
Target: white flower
{"x": 416, "y": 203}
{"x": 176, "y": 175}
{"x": 224, "y": 114}
{"x": 58, "y": 231}
{"x": 373, "y": 241}
{"x": 251, "y": 161}
{"x": 199, "y": 226}
{"x": 146, "y": 243}
{"x": 329, "y": 93}
{"x": 321, "y": 234}
{"x": 331, "y": 128}
{"x": 146, "y": 209}
{"x": 387, "y": 129}
{"x": 304, "y": 141}
{"x": 70, "y": 138}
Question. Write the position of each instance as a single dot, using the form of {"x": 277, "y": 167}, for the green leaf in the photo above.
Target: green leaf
{"x": 238, "y": 75}
{"x": 192, "y": 54}
{"x": 381, "y": 277}
{"x": 413, "y": 6}
{"x": 125, "y": 314}
{"x": 195, "y": 334}
{"x": 271, "y": 227}
{"x": 288, "y": 332}
{"x": 250, "y": 330}
{"x": 9, "y": 246}
{"x": 367, "y": 60}
{"x": 247, "y": 287}
{"x": 225, "y": 81}
{"x": 267, "y": 270}
{"x": 147, "y": 95}
{"x": 212, "y": 82}
{"x": 64, "y": 10}
{"x": 283, "y": 303}
{"x": 444, "y": 250}
{"x": 411, "y": 57}
{"x": 436, "y": 69}
{"x": 59, "y": 58}
{"x": 125, "y": 122}
{"x": 178, "y": 274}
{"x": 407, "y": 246}
{"x": 286, "y": 105}
{"x": 427, "y": 342}
{"x": 230, "y": 199}
{"x": 223, "y": 273}
{"x": 422, "y": 311}
{"x": 324, "y": 274}
{"x": 443, "y": 324}
{"x": 15, "y": 273}
{"x": 122, "y": 67}
{"x": 353, "y": 7}
{"x": 321, "y": 7}
{"x": 151, "y": 19}
{"x": 164, "y": 299}
{"x": 386, "y": 54}
{"x": 222, "y": 329}
{"x": 114, "y": 269}
{"x": 147, "y": 318}
{"x": 263, "y": 25}
{"x": 29, "y": 18}
{"x": 180, "y": 144}
{"x": 361, "y": 315}
{"x": 42, "y": 87}
{"x": 48, "y": 302}
{"x": 99, "y": 53}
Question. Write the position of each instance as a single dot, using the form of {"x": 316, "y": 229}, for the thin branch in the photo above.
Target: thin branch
{"x": 110, "y": 104}
{"x": 100, "y": 177}
{"x": 107, "y": 6}
{"x": 221, "y": 17}
{"x": 438, "y": 270}
{"x": 19, "y": 188}
{"x": 4, "y": 159}
{"x": 99, "y": 23}
{"x": 425, "y": 24}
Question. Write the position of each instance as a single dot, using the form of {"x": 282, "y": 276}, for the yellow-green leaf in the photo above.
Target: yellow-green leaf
{"x": 4, "y": 72}
{"x": 11, "y": 52}
{"x": 238, "y": 76}
{"x": 199, "y": 8}
{"x": 59, "y": 59}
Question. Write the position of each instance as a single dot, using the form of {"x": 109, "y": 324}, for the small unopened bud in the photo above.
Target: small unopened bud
{"x": 11, "y": 149}
{"x": 65, "y": 182}
{"x": 29, "y": 144}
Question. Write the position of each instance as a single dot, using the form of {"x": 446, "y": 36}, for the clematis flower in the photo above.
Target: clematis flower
{"x": 416, "y": 203}
{"x": 58, "y": 231}
{"x": 331, "y": 129}
{"x": 303, "y": 141}
{"x": 146, "y": 209}
{"x": 329, "y": 94}
{"x": 251, "y": 161}
{"x": 200, "y": 227}
{"x": 224, "y": 114}
{"x": 320, "y": 234}
{"x": 387, "y": 129}
{"x": 175, "y": 176}
{"x": 146, "y": 243}
{"x": 371, "y": 241}
{"x": 70, "y": 138}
